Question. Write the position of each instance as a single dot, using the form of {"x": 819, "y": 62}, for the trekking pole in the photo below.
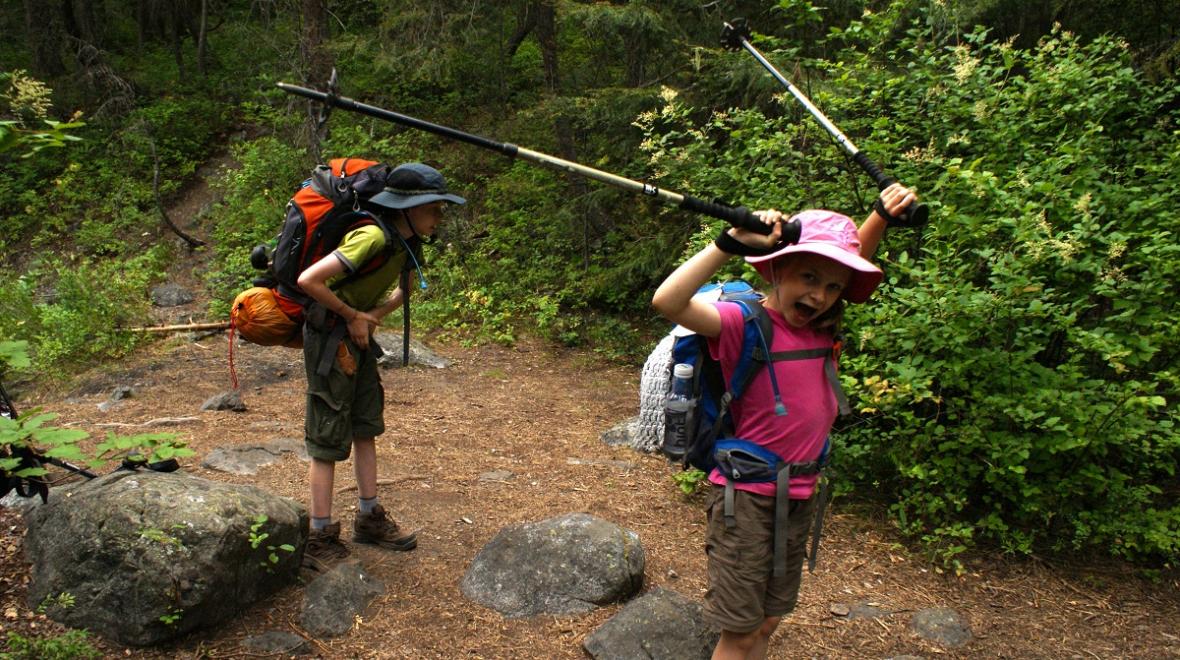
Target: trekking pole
{"x": 738, "y": 216}
{"x": 736, "y": 35}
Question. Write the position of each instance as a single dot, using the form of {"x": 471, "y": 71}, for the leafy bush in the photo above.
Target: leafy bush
{"x": 70, "y": 645}
{"x": 74, "y": 311}
{"x": 1016, "y": 374}
{"x": 251, "y": 212}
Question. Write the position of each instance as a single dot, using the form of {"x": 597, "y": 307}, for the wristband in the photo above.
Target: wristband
{"x": 879, "y": 207}
{"x": 730, "y": 245}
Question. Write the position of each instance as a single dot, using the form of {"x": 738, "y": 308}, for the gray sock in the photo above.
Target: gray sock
{"x": 318, "y": 524}
{"x": 367, "y": 503}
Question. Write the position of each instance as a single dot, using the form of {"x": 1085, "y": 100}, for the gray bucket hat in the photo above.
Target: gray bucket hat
{"x": 414, "y": 184}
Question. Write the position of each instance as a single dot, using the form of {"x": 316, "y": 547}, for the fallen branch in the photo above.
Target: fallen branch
{"x": 159, "y": 421}
{"x": 219, "y": 325}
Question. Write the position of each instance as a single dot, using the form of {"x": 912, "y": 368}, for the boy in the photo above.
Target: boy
{"x": 345, "y": 399}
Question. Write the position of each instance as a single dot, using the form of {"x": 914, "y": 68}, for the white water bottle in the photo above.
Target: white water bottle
{"x": 678, "y": 410}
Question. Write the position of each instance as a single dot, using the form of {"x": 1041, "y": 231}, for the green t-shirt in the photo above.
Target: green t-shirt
{"x": 355, "y": 250}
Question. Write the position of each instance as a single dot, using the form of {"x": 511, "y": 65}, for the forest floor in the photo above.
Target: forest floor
{"x": 537, "y": 412}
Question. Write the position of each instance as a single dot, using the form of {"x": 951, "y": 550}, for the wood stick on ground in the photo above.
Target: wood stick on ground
{"x": 217, "y": 325}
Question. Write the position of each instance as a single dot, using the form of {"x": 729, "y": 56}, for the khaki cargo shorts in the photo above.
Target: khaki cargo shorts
{"x": 742, "y": 588}
{"x": 340, "y": 407}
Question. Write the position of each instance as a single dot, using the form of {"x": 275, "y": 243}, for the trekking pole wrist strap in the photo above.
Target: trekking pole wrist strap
{"x": 730, "y": 245}
{"x": 879, "y": 207}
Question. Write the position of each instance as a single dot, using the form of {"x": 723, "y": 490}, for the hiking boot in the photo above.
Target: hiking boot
{"x": 324, "y": 548}
{"x": 377, "y": 529}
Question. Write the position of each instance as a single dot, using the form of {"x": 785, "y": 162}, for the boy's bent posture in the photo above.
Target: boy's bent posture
{"x": 345, "y": 399}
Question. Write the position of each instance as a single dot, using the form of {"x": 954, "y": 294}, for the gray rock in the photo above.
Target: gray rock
{"x": 20, "y": 504}
{"x": 860, "y": 610}
{"x": 150, "y": 556}
{"x": 564, "y": 565}
{"x": 122, "y": 392}
{"x": 336, "y": 598}
{"x": 231, "y": 400}
{"x": 660, "y": 625}
{"x": 243, "y": 459}
{"x": 171, "y": 295}
{"x": 625, "y": 466}
{"x": 623, "y": 433}
{"x": 420, "y": 354}
{"x": 866, "y": 611}
{"x": 942, "y": 625}
{"x": 107, "y": 406}
{"x": 274, "y": 642}
{"x": 496, "y": 475}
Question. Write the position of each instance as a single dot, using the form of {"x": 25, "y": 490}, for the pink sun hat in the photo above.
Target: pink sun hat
{"x": 830, "y": 235}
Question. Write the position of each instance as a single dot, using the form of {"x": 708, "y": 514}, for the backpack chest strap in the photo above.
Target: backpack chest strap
{"x": 829, "y": 356}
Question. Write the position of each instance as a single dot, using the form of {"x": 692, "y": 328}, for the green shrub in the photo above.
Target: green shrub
{"x": 1015, "y": 376}
{"x": 70, "y": 645}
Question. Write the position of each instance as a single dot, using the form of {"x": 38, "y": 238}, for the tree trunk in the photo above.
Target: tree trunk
{"x": 178, "y": 42}
{"x": 317, "y": 63}
{"x": 201, "y": 36}
{"x": 526, "y": 20}
{"x": 547, "y": 38}
{"x": 45, "y": 32}
{"x": 82, "y": 23}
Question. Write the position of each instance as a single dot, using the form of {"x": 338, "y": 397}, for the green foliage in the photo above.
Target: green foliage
{"x": 257, "y": 536}
{"x": 689, "y": 481}
{"x": 80, "y": 319}
{"x": 78, "y": 231}
{"x": 15, "y": 354}
{"x": 172, "y": 617}
{"x": 70, "y": 645}
{"x": 64, "y": 600}
{"x": 24, "y": 122}
{"x": 1016, "y": 374}
{"x": 29, "y": 431}
{"x": 142, "y": 448}
{"x": 251, "y": 212}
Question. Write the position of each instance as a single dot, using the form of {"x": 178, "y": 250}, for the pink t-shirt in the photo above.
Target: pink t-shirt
{"x": 797, "y": 437}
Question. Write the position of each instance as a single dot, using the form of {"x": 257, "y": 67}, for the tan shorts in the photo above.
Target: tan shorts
{"x": 742, "y": 588}
{"x": 340, "y": 408}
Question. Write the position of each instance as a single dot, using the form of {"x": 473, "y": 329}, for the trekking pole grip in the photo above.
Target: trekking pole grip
{"x": 738, "y": 216}
{"x": 915, "y": 215}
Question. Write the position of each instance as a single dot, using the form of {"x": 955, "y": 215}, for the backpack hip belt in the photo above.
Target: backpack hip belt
{"x": 321, "y": 320}
{"x": 742, "y": 461}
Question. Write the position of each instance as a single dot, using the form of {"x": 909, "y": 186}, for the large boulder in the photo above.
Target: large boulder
{"x": 148, "y": 556}
{"x": 564, "y": 565}
{"x": 661, "y": 625}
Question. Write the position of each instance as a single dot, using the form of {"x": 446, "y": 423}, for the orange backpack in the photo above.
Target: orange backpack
{"x": 326, "y": 207}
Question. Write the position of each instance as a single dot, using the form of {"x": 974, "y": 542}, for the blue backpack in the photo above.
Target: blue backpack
{"x": 710, "y": 436}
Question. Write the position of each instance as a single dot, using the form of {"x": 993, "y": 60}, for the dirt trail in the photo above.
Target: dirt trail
{"x": 537, "y": 413}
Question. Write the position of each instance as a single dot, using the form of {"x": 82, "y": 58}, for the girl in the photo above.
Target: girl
{"x": 745, "y": 599}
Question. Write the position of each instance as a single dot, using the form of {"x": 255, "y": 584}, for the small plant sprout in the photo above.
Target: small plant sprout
{"x": 257, "y": 536}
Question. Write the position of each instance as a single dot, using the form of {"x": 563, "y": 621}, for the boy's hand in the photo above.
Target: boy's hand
{"x": 360, "y": 327}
